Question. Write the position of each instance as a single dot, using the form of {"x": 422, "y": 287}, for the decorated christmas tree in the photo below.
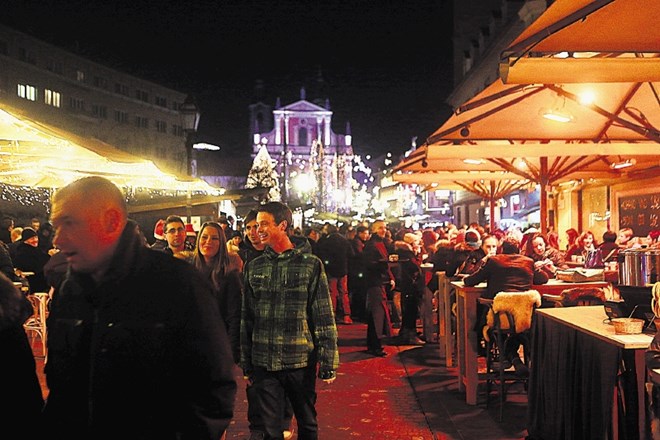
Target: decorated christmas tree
{"x": 263, "y": 175}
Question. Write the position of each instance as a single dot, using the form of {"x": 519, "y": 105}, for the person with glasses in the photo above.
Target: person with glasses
{"x": 175, "y": 234}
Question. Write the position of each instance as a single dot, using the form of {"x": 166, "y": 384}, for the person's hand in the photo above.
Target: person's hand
{"x": 392, "y": 283}
{"x": 328, "y": 376}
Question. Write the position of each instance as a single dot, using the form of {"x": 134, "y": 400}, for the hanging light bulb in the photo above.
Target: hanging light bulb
{"x": 557, "y": 112}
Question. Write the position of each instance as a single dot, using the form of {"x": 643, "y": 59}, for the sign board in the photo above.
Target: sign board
{"x": 640, "y": 212}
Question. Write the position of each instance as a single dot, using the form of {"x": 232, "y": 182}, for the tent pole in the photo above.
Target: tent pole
{"x": 492, "y": 206}
{"x": 544, "y": 194}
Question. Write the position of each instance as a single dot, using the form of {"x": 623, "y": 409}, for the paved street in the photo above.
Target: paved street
{"x": 407, "y": 395}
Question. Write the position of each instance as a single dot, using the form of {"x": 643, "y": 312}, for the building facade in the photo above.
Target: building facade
{"x": 62, "y": 89}
{"x": 314, "y": 163}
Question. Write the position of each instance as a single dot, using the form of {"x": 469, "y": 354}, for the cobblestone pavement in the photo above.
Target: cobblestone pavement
{"x": 407, "y": 395}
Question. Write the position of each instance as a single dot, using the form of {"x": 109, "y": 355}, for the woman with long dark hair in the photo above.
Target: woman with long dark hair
{"x": 224, "y": 273}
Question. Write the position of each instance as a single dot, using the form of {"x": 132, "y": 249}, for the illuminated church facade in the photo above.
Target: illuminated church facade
{"x": 314, "y": 163}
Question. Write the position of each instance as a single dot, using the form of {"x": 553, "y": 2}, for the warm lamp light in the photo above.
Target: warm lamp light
{"x": 557, "y": 115}
{"x": 623, "y": 164}
{"x": 473, "y": 161}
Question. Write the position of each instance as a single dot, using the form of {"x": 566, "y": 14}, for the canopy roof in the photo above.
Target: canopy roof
{"x": 503, "y": 127}
{"x": 587, "y": 41}
{"x": 592, "y": 64}
{"x": 37, "y": 155}
{"x": 606, "y": 26}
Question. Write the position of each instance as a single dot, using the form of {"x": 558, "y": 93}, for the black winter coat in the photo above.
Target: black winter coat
{"x": 32, "y": 259}
{"x": 335, "y": 251}
{"x": 20, "y": 393}
{"x": 143, "y": 354}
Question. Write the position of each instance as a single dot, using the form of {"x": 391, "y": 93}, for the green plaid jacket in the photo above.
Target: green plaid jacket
{"x": 287, "y": 320}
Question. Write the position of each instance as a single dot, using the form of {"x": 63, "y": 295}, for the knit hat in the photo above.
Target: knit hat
{"x": 28, "y": 233}
{"x": 158, "y": 230}
{"x": 472, "y": 239}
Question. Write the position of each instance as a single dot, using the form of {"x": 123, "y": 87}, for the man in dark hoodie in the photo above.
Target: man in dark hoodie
{"x": 287, "y": 324}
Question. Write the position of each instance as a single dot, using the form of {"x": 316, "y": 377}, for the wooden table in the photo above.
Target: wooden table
{"x": 578, "y": 363}
{"x": 467, "y": 338}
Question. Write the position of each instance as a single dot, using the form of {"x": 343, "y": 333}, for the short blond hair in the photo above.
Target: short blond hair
{"x": 16, "y": 233}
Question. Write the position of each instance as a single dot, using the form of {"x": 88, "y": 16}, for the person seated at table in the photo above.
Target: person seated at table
{"x": 588, "y": 250}
{"x": 625, "y": 236}
{"x": 553, "y": 239}
{"x": 466, "y": 255}
{"x": 546, "y": 259}
{"x": 506, "y": 272}
{"x": 571, "y": 246}
{"x": 609, "y": 248}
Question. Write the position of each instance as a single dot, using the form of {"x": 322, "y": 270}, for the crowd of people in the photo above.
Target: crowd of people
{"x": 154, "y": 330}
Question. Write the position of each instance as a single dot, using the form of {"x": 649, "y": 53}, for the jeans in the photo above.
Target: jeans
{"x": 272, "y": 389}
{"x": 341, "y": 303}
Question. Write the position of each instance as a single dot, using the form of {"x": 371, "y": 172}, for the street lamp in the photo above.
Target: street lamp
{"x": 190, "y": 115}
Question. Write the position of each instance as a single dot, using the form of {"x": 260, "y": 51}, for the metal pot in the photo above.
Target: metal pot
{"x": 639, "y": 267}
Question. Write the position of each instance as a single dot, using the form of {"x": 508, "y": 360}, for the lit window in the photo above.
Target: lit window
{"x": 27, "y": 92}
{"x": 52, "y": 98}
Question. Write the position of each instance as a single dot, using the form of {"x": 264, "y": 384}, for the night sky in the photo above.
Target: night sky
{"x": 386, "y": 64}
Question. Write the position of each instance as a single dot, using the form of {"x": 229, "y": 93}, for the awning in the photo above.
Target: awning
{"x": 577, "y": 41}
{"x": 500, "y": 137}
{"x": 37, "y": 155}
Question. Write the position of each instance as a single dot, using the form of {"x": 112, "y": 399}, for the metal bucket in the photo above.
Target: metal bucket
{"x": 639, "y": 267}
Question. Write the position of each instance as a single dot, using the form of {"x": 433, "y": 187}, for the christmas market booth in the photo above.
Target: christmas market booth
{"x": 36, "y": 159}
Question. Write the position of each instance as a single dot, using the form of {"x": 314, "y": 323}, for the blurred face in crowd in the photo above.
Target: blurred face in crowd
{"x": 209, "y": 242}
{"x": 252, "y": 234}
{"x": 364, "y": 235}
{"x": 588, "y": 241}
{"x": 314, "y": 235}
{"x": 379, "y": 228}
{"x": 489, "y": 245}
{"x": 538, "y": 245}
{"x": 624, "y": 236}
{"x": 175, "y": 234}
{"x": 32, "y": 241}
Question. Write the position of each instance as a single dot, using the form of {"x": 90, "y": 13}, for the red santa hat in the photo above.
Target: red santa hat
{"x": 159, "y": 230}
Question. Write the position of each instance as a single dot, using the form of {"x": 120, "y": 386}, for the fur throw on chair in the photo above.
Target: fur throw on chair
{"x": 519, "y": 304}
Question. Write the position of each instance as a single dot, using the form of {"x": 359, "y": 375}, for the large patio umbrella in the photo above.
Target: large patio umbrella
{"x": 502, "y": 135}
{"x": 585, "y": 105}
{"x": 587, "y": 41}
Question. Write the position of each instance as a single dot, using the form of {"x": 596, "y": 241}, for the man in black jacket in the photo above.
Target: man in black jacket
{"x": 136, "y": 344}
{"x": 336, "y": 251}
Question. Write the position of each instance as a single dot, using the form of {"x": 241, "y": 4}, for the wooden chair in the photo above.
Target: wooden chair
{"x": 509, "y": 318}
{"x": 35, "y": 325}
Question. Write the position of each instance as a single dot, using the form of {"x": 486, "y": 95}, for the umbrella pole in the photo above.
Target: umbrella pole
{"x": 544, "y": 194}
{"x": 492, "y": 206}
